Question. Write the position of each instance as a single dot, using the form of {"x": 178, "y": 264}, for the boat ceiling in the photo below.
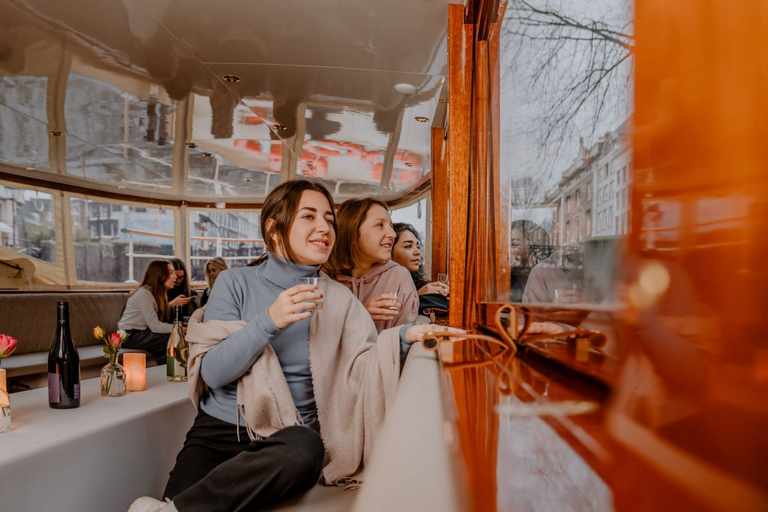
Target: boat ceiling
{"x": 132, "y": 96}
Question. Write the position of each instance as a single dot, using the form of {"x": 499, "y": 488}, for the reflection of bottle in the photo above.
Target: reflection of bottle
{"x": 177, "y": 352}
{"x": 63, "y": 365}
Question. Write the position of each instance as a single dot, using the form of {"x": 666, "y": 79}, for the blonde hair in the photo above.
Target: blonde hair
{"x": 217, "y": 262}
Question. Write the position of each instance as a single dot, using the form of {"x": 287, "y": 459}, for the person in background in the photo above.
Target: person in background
{"x": 407, "y": 252}
{"x": 147, "y": 313}
{"x": 263, "y": 395}
{"x": 181, "y": 287}
{"x": 212, "y": 269}
{"x": 362, "y": 261}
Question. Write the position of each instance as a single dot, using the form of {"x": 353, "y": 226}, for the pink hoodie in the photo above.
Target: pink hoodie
{"x": 387, "y": 277}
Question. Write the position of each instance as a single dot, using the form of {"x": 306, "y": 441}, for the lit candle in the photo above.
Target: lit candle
{"x": 5, "y": 404}
{"x": 135, "y": 364}
{"x": 4, "y": 400}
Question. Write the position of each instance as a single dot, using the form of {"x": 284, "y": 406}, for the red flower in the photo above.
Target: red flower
{"x": 7, "y": 345}
{"x": 115, "y": 340}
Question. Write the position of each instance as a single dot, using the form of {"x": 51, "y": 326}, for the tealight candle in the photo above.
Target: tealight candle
{"x": 135, "y": 364}
{"x": 5, "y": 404}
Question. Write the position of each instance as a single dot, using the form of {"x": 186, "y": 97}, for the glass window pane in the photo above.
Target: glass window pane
{"x": 565, "y": 109}
{"x": 28, "y": 223}
{"x": 233, "y": 235}
{"x": 115, "y": 245}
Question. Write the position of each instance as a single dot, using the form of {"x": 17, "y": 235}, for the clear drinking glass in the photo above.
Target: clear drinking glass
{"x": 392, "y": 296}
{"x": 442, "y": 278}
{"x": 316, "y": 281}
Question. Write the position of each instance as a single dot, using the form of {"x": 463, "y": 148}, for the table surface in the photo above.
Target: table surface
{"x": 37, "y": 428}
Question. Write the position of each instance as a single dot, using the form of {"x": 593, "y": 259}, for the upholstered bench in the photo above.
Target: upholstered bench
{"x": 30, "y": 317}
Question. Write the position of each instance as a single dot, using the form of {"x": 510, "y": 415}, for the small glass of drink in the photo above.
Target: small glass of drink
{"x": 392, "y": 296}
{"x": 316, "y": 281}
{"x": 442, "y": 278}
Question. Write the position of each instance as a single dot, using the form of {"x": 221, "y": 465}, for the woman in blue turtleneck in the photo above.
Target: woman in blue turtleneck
{"x": 220, "y": 468}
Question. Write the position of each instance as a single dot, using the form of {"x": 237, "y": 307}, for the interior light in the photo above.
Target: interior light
{"x": 57, "y": 133}
{"x": 422, "y": 119}
{"x": 232, "y": 79}
{"x": 406, "y": 88}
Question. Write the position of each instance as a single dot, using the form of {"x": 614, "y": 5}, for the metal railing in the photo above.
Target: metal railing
{"x": 217, "y": 241}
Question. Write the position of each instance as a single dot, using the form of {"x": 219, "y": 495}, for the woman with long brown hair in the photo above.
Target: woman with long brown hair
{"x": 362, "y": 261}
{"x": 268, "y": 368}
{"x": 148, "y": 311}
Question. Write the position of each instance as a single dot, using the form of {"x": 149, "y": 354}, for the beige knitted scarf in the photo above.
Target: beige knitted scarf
{"x": 354, "y": 374}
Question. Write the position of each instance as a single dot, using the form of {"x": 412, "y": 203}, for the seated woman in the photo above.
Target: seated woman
{"x": 407, "y": 252}
{"x": 181, "y": 287}
{"x": 270, "y": 372}
{"x": 362, "y": 261}
{"x": 148, "y": 311}
{"x": 212, "y": 269}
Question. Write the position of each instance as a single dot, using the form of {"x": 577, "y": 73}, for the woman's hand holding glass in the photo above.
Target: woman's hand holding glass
{"x": 383, "y": 307}
{"x": 434, "y": 288}
{"x": 294, "y": 304}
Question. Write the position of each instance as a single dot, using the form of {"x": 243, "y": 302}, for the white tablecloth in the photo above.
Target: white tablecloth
{"x": 99, "y": 457}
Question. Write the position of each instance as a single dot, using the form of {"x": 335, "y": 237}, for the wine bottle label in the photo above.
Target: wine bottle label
{"x": 53, "y": 388}
{"x": 77, "y": 391}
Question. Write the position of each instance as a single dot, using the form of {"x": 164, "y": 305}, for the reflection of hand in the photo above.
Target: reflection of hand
{"x": 180, "y": 301}
{"x": 418, "y": 331}
{"x": 289, "y": 306}
{"x": 435, "y": 287}
{"x": 544, "y": 328}
{"x": 566, "y": 296}
{"x": 383, "y": 307}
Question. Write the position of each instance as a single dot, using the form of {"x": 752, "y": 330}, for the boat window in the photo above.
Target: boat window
{"x": 565, "y": 109}
{"x": 114, "y": 242}
{"x": 233, "y": 235}
{"x": 27, "y": 224}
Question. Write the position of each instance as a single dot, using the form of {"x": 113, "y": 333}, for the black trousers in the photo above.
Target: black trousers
{"x": 155, "y": 343}
{"x": 216, "y": 472}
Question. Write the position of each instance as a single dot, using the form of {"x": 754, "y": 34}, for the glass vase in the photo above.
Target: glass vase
{"x": 113, "y": 380}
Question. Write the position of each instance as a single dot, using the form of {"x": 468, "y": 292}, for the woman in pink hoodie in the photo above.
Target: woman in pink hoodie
{"x": 362, "y": 261}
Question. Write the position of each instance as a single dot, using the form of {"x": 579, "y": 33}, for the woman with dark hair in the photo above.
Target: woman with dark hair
{"x": 148, "y": 311}
{"x": 407, "y": 252}
{"x": 270, "y": 372}
{"x": 362, "y": 261}
{"x": 181, "y": 288}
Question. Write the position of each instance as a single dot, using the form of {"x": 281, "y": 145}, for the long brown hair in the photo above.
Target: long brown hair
{"x": 345, "y": 255}
{"x": 154, "y": 278}
{"x": 281, "y": 206}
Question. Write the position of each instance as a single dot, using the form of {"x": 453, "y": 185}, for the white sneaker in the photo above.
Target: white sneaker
{"x": 147, "y": 504}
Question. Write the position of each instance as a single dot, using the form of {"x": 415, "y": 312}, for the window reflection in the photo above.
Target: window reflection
{"x": 232, "y": 235}
{"x": 115, "y": 242}
{"x": 28, "y": 223}
{"x": 565, "y": 106}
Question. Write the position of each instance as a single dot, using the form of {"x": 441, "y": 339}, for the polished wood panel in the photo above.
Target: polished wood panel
{"x": 439, "y": 191}
{"x": 459, "y": 108}
{"x": 690, "y": 400}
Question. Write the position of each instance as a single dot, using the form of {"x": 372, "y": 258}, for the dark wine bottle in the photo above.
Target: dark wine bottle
{"x": 63, "y": 365}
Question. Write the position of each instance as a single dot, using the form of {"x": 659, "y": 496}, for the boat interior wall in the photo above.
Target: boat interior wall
{"x": 28, "y": 318}
{"x": 173, "y": 100}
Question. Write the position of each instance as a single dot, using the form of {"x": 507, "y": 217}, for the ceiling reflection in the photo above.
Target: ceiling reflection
{"x": 137, "y": 92}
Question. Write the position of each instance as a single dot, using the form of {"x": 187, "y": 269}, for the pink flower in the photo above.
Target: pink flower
{"x": 7, "y": 345}
{"x": 115, "y": 340}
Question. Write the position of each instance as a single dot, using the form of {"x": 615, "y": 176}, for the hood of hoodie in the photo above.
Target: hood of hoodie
{"x": 375, "y": 280}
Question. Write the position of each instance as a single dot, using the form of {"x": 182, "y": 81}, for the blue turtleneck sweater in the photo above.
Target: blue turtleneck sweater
{"x": 246, "y": 293}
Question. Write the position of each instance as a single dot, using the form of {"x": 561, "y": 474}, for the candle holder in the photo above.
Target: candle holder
{"x": 135, "y": 364}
